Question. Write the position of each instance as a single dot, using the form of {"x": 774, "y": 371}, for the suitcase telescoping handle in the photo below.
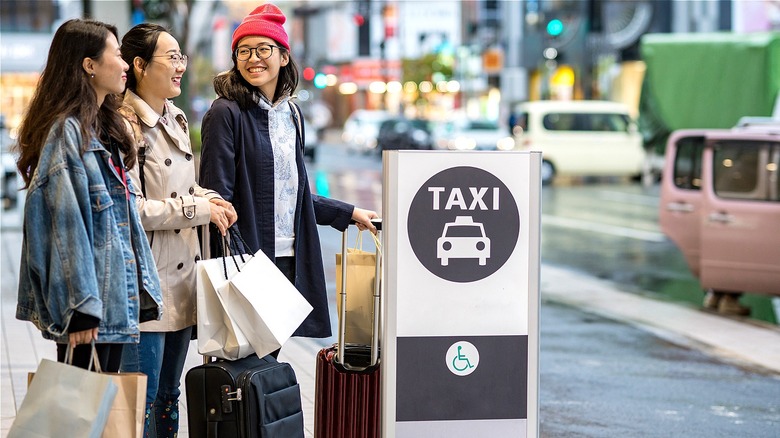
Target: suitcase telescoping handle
{"x": 377, "y": 303}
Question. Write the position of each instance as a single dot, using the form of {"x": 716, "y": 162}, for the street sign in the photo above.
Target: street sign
{"x": 460, "y": 345}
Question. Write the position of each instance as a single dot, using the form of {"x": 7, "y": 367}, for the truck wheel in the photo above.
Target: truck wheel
{"x": 548, "y": 172}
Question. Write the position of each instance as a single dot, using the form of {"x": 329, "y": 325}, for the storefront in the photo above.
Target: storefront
{"x": 23, "y": 57}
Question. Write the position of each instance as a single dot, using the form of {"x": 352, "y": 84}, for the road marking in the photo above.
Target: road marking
{"x": 629, "y": 198}
{"x": 614, "y": 230}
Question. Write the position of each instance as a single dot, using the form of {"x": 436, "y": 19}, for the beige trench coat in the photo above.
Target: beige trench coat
{"x": 172, "y": 208}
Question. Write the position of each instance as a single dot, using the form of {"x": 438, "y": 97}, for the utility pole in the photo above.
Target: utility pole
{"x": 86, "y": 5}
{"x": 513, "y": 75}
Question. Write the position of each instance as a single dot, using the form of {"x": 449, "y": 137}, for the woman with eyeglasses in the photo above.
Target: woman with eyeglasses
{"x": 86, "y": 272}
{"x": 253, "y": 155}
{"x": 172, "y": 206}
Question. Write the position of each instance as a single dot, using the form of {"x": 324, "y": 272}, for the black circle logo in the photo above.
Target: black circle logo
{"x": 463, "y": 224}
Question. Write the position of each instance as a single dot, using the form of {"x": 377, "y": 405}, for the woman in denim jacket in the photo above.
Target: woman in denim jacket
{"x": 87, "y": 273}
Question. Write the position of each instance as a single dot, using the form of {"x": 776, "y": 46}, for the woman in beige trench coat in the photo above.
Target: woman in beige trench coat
{"x": 172, "y": 205}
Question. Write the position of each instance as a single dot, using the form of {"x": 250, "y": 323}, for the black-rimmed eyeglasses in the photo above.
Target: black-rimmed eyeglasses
{"x": 177, "y": 59}
{"x": 263, "y": 52}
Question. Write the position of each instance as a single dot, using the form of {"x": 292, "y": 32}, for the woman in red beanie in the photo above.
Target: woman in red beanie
{"x": 253, "y": 156}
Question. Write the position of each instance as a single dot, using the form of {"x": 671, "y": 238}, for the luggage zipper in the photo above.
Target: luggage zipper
{"x": 244, "y": 379}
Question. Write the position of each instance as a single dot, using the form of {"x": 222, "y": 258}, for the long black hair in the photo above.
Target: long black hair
{"x": 64, "y": 90}
{"x": 140, "y": 41}
{"x": 231, "y": 85}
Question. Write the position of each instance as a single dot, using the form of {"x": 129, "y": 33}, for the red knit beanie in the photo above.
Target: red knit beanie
{"x": 265, "y": 20}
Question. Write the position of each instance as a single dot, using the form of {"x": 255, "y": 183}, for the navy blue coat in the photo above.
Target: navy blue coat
{"x": 237, "y": 162}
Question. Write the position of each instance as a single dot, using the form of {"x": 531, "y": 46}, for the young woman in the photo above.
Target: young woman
{"x": 253, "y": 155}
{"x": 172, "y": 205}
{"x": 87, "y": 273}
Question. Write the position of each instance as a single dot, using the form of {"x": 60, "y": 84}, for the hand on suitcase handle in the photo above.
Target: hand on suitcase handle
{"x": 364, "y": 219}
{"x": 376, "y": 222}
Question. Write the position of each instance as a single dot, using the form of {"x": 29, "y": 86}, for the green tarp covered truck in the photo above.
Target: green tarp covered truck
{"x": 706, "y": 80}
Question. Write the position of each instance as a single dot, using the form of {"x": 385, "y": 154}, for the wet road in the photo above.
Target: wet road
{"x": 601, "y": 378}
{"x": 611, "y": 231}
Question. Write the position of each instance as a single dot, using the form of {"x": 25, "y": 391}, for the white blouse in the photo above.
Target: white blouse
{"x": 282, "y": 131}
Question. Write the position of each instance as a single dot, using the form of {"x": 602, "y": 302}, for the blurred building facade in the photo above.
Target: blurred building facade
{"x": 434, "y": 59}
{"x": 26, "y": 30}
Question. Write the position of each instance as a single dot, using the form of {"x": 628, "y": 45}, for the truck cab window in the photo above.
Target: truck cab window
{"x": 746, "y": 170}
{"x": 687, "y": 163}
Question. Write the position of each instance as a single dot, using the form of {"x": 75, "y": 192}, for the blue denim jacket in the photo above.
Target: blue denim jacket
{"x": 77, "y": 250}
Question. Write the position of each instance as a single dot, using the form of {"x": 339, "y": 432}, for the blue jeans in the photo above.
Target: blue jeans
{"x": 161, "y": 356}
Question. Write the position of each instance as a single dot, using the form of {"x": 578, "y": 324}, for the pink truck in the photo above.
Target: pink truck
{"x": 720, "y": 204}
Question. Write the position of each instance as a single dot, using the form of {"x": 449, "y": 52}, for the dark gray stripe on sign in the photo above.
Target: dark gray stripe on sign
{"x": 426, "y": 390}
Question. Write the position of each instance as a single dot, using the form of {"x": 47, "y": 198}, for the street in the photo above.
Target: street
{"x": 602, "y": 378}
{"x": 599, "y": 377}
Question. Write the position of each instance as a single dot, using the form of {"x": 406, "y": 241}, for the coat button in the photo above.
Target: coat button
{"x": 188, "y": 157}
{"x": 168, "y": 162}
{"x": 180, "y": 265}
{"x": 174, "y": 194}
{"x": 192, "y": 190}
{"x": 177, "y": 231}
{"x": 197, "y": 258}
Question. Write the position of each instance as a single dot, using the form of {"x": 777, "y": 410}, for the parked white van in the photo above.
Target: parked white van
{"x": 580, "y": 138}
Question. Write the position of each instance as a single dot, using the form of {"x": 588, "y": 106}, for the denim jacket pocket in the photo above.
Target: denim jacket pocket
{"x": 101, "y": 201}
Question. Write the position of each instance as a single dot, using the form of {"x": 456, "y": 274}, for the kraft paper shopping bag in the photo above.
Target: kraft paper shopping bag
{"x": 64, "y": 400}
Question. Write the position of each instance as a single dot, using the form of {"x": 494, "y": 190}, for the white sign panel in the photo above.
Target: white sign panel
{"x": 460, "y": 346}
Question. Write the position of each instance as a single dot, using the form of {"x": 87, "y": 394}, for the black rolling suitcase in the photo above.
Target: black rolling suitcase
{"x": 245, "y": 398}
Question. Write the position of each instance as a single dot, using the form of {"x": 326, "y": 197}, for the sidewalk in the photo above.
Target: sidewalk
{"x": 22, "y": 347}
{"x": 747, "y": 344}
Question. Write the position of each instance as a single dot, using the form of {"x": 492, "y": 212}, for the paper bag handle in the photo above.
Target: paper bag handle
{"x": 230, "y": 248}
{"x": 94, "y": 359}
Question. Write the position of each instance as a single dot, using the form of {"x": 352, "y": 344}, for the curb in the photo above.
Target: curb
{"x": 742, "y": 342}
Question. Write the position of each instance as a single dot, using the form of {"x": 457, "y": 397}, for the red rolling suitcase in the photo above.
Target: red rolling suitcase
{"x": 347, "y": 394}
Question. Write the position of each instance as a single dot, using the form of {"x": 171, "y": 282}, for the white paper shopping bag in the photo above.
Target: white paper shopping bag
{"x": 218, "y": 333}
{"x": 265, "y": 305}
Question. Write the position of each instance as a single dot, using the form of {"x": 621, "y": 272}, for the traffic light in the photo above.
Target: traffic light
{"x": 562, "y": 27}
{"x": 555, "y": 27}
{"x": 308, "y": 74}
{"x": 320, "y": 80}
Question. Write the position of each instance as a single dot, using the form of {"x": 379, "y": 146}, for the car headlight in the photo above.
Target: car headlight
{"x": 419, "y": 135}
{"x": 464, "y": 144}
{"x": 505, "y": 144}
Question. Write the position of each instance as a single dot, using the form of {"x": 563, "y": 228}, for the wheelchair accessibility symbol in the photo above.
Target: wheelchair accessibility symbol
{"x": 462, "y": 358}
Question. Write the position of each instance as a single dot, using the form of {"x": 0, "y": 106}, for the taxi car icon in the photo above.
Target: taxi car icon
{"x": 463, "y": 239}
